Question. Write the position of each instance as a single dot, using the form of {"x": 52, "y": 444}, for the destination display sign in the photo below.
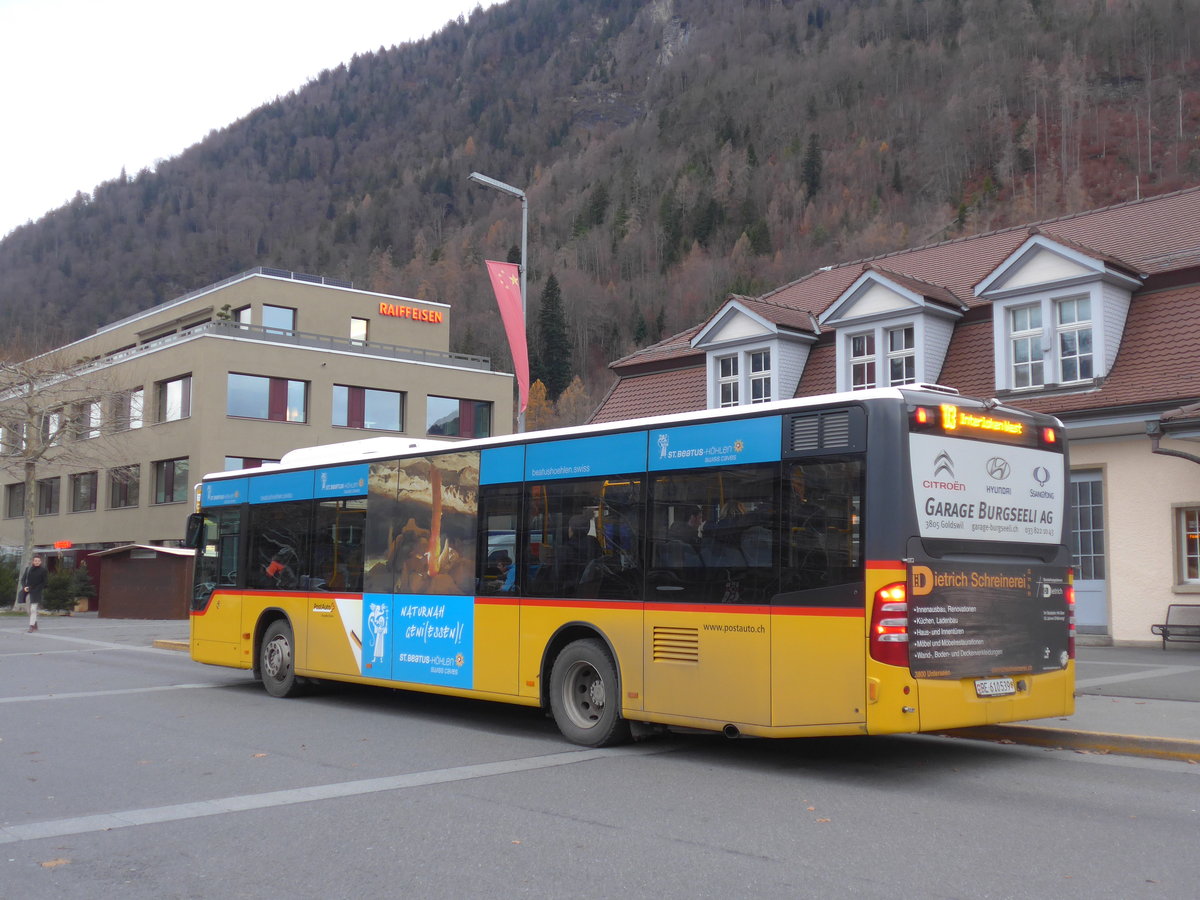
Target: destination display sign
{"x": 975, "y": 490}
{"x": 968, "y": 621}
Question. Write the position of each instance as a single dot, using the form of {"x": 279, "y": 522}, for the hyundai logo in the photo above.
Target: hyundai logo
{"x": 998, "y": 468}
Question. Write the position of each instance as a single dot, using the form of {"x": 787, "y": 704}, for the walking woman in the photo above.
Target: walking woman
{"x": 32, "y": 584}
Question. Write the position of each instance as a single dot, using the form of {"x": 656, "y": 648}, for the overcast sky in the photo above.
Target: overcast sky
{"x": 89, "y": 86}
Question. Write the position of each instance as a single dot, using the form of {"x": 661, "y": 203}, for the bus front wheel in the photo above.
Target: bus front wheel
{"x": 584, "y": 696}
{"x": 277, "y": 660}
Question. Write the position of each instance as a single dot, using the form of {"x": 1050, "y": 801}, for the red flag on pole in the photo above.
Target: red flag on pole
{"x": 506, "y": 282}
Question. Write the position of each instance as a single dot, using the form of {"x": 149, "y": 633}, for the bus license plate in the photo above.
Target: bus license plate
{"x": 994, "y": 687}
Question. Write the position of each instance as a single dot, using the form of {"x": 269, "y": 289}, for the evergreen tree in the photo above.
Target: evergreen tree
{"x": 554, "y": 349}
{"x": 812, "y": 166}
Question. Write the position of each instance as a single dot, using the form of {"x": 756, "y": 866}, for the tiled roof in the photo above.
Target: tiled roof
{"x": 1156, "y": 362}
{"x": 659, "y": 393}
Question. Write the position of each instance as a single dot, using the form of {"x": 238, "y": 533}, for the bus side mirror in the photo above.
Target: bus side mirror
{"x": 195, "y": 531}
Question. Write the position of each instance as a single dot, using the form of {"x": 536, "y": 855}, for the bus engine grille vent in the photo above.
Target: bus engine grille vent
{"x": 676, "y": 644}
{"x": 831, "y": 431}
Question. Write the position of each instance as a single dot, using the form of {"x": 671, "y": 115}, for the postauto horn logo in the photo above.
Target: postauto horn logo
{"x": 943, "y": 475}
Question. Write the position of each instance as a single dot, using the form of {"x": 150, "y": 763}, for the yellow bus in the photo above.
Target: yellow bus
{"x": 875, "y": 562}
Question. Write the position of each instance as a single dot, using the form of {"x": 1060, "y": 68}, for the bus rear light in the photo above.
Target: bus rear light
{"x": 1070, "y": 592}
{"x": 889, "y": 625}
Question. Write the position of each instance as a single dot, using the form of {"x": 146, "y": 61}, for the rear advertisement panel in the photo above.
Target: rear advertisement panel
{"x": 981, "y": 491}
{"x": 986, "y": 620}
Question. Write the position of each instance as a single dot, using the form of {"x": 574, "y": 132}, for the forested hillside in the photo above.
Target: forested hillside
{"x": 673, "y": 151}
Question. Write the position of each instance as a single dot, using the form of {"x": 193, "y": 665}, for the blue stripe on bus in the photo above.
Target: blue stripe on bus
{"x": 341, "y": 481}
{"x": 501, "y": 465}
{"x": 281, "y": 487}
{"x": 230, "y": 492}
{"x": 716, "y": 444}
{"x": 607, "y": 454}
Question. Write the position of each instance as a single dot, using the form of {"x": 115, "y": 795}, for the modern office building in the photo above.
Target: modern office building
{"x": 232, "y": 375}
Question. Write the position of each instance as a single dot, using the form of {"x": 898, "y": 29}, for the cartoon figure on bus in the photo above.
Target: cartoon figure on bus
{"x": 377, "y": 626}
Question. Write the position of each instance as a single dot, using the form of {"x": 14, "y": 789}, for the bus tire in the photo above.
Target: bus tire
{"x": 584, "y": 695}
{"x": 277, "y": 660}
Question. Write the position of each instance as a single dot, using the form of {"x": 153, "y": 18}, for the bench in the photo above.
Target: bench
{"x": 1183, "y": 623}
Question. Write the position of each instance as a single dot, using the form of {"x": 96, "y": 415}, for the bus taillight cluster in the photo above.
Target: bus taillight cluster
{"x": 889, "y": 625}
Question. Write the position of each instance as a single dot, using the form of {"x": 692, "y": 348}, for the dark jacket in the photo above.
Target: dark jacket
{"x": 34, "y": 579}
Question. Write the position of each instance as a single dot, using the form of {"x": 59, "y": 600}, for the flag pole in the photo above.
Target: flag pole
{"x": 519, "y": 194}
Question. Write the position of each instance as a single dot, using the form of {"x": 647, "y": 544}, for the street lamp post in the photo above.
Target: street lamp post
{"x": 520, "y": 194}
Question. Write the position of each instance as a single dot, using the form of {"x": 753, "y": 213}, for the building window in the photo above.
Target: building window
{"x": 124, "y": 483}
{"x": 48, "y": 490}
{"x": 357, "y": 407}
{"x": 1025, "y": 334}
{"x": 862, "y": 362}
{"x": 83, "y": 491}
{"x": 12, "y": 439}
{"x": 275, "y": 399}
{"x": 174, "y": 398}
{"x": 359, "y": 329}
{"x": 760, "y": 376}
{"x": 241, "y": 315}
{"x": 234, "y": 463}
{"x": 127, "y": 410}
{"x": 902, "y": 356}
{"x": 1075, "y": 339}
{"x": 728, "y": 381}
{"x": 278, "y": 319}
{"x": 171, "y": 480}
{"x": 52, "y": 427}
{"x": 88, "y": 419}
{"x": 452, "y": 417}
{"x": 14, "y": 501}
{"x": 1187, "y": 549}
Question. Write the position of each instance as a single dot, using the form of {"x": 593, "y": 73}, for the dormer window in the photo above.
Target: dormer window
{"x": 760, "y": 376}
{"x": 1058, "y": 313}
{"x": 1025, "y": 323}
{"x": 750, "y": 357}
{"x": 1075, "y": 339}
{"x": 892, "y": 329}
{"x": 746, "y": 374}
{"x": 862, "y": 361}
{"x": 902, "y": 356}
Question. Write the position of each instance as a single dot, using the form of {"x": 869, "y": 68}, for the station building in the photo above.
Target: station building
{"x": 1094, "y": 318}
{"x": 228, "y": 376}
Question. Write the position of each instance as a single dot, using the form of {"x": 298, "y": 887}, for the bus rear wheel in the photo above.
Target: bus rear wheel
{"x": 584, "y": 697}
{"x": 277, "y": 661}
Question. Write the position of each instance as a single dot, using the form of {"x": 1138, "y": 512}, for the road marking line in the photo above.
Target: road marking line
{"x": 55, "y": 828}
{"x": 1158, "y": 672}
{"x": 76, "y": 695}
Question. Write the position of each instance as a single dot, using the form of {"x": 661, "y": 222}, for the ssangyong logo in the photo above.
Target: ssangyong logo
{"x": 943, "y": 474}
{"x": 998, "y": 468}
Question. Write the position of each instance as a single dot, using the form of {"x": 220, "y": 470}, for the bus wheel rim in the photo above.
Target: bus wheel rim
{"x": 584, "y": 695}
{"x": 277, "y": 658}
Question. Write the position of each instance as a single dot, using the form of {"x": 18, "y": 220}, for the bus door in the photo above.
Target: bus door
{"x": 335, "y": 600}
{"x": 714, "y": 536}
{"x": 818, "y": 657}
{"x": 216, "y": 618}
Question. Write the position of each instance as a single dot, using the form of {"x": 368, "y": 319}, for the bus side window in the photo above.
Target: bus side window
{"x": 337, "y": 545}
{"x": 824, "y": 524}
{"x": 279, "y": 546}
{"x": 496, "y": 557}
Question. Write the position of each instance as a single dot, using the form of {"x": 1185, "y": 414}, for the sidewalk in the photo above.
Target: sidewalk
{"x": 1140, "y": 701}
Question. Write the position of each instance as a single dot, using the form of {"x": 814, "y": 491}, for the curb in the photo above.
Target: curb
{"x": 172, "y": 645}
{"x": 1179, "y": 750}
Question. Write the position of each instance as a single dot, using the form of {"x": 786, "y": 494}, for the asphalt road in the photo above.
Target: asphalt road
{"x": 133, "y": 772}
